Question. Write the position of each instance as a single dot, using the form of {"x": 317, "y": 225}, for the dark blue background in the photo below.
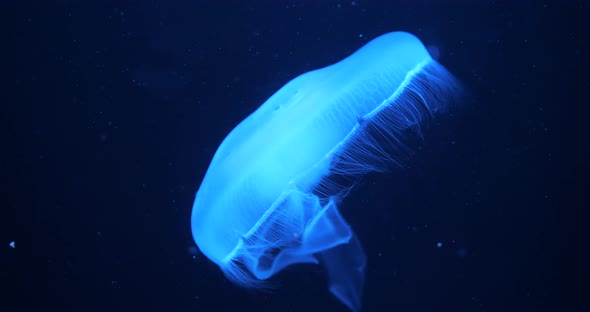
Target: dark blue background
{"x": 112, "y": 111}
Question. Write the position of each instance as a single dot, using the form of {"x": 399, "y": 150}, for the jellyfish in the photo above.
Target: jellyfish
{"x": 270, "y": 196}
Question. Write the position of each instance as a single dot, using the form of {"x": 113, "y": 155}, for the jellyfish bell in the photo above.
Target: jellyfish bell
{"x": 269, "y": 198}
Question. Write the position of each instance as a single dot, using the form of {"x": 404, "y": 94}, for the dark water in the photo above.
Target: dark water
{"x": 111, "y": 112}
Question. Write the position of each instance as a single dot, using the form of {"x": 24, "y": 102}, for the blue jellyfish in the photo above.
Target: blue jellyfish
{"x": 270, "y": 196}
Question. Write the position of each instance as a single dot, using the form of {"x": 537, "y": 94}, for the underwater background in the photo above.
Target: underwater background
{"x": 112, "y": 110}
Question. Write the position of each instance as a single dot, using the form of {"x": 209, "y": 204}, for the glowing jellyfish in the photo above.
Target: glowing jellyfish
{"x": 269, "y": 198}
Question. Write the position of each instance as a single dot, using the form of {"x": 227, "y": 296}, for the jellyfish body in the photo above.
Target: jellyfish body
{"x": 270, "y": 196}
